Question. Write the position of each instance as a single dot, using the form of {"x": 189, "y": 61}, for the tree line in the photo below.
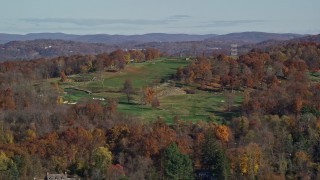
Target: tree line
{"x": 75, "y": 64}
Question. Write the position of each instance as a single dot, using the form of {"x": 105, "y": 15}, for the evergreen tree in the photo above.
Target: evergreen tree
{"x": 214, "y": 158}
{"x": 177, "y": 166}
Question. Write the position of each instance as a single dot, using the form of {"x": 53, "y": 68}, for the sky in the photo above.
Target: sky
{"x": 159, "y": 16}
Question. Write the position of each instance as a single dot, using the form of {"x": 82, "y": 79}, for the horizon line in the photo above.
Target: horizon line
{"x": 200, "y": 34}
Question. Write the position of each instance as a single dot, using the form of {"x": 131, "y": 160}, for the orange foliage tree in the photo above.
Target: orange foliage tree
{"x": 222, "y": 132}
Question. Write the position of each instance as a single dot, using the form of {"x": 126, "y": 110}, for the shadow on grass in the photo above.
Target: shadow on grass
{"x": 134, "y": 106}
{"x": 173, "y": 68}
{"x": 129, "y": 103}
{"x": 227, "y": 115}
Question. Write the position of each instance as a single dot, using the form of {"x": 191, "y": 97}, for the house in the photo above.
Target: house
{"x": 56, "y": 176}
{"x": 204, "y": 174}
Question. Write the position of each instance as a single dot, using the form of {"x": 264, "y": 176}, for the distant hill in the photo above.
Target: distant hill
{"x": 47, "y": 48}
{"x": 310, "y": 38}
{"x": 154, "y": 37}
{"x": 221, "y": 43}
{"x": 245, "y": 37}
{"x": 254, "y": 37}
{"x": 47, "y": 45}
{"x": 21, "y": 50}
{"x": 273, "y": 42}
{"x": 5, "y": 38}
{"x": 105, "y": 38}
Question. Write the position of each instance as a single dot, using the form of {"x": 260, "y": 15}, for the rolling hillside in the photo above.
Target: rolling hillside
{"x": 46, "y": 45}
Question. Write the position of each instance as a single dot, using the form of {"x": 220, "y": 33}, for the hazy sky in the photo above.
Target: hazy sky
{"x": 164, "y": 16}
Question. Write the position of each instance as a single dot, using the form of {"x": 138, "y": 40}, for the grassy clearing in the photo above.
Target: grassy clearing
{"x": 192, "y": 107}
{"x": 140, "y": 74}
{"x": 73, "y": 95}
{"x": 207, "y": 106}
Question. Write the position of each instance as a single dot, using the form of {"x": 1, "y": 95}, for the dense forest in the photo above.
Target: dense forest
{"x": 275, "y": 134}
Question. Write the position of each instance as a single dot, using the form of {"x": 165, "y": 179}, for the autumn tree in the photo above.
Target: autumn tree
{"x": 240, "y": 126}
{"x": 151, "y": 53}
{"x": 250, "y": 160}
{"x": 63, "y": 77}
{"x": 102, "y": 158}
{"x": 7, "y": 100}
{"x": 139, "y": 167}
{"x": 115, "y": 137}
{"x": 118, "y": 58}
{"x": 157, "y": 138}
{"x": 4, "y": 161}
{"x": 136, "y": 55}
{"x": 222, "y": 132}
{"x": 111, "y": 107}
{"x": 155, "y": 102}
{"x": 115, "y": 172}
{"x": 180, "y": 74}
{"x": 6, "y": 136}
{"x": 148, "y": 95}
{"x": 8, "y": 169}
{"x": 302, "y": 165}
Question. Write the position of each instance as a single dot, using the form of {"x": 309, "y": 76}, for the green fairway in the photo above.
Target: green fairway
{"x": 193, "y": 107}
{"x": 207, "y": 106}
{"x": 73, "y": 95}
{"x": 140, "y": 74}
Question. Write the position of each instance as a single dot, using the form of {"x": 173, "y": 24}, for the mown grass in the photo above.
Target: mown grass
{"x": 73, "y": 95}
{"x": 141, "y": 74}
{"x": 206, "y": 106}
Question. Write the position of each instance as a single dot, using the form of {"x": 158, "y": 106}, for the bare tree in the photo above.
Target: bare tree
{"x": 128, "y": 89}
{"x": 229, "y": 101}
